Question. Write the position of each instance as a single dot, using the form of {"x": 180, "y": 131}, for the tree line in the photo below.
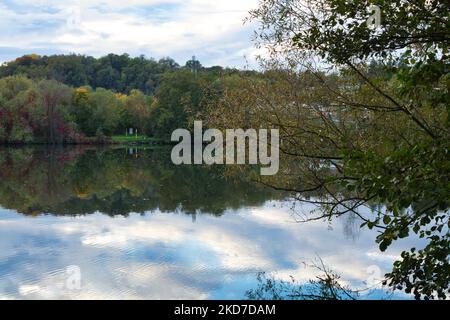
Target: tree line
{"x": 79, "y": 99}
{"x": 120, "y": 73}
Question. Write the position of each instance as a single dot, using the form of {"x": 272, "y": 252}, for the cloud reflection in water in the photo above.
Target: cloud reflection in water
{"x": 168, "y": 256}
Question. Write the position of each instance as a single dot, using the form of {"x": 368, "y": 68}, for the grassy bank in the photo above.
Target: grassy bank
{"x": 137, "y": 139}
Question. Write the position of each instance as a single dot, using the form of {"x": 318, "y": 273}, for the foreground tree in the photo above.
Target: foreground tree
{"x": 326, "y": 286}
{"x": 364, "y": 120}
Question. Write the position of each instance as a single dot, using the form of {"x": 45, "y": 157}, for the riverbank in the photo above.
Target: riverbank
{"x": 139, "y": 140}
{"x": 114, "y": 140}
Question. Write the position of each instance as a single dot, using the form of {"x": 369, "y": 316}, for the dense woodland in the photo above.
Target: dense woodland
{"x": 79, "y": 99}
{"x": 119, "y": 73}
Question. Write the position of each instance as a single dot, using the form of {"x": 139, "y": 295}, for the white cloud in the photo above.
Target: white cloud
{"x": 162, "y": 256}
{"x": 212, "y": 30}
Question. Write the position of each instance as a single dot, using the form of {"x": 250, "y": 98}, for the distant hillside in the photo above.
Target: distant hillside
{"x": 120, "y": 73}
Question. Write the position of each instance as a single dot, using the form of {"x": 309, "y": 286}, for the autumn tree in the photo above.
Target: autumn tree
{"x": 55, "y": 99}
{"x": 20, "y": 114}
{"x": 364, "y": 120}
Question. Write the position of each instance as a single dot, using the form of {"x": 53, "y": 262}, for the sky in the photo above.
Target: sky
{"x": 213, "y": 31}
{"x": 162, "y": 255}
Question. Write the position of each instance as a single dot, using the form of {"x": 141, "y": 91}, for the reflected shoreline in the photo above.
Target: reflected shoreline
{"x": 152, "y": 249}
{"x": 78, "y": 180}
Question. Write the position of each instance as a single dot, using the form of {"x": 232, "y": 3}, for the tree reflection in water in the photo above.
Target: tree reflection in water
{"x": 81, "y": 180}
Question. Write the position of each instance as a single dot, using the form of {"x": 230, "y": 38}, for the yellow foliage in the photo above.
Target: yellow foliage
{"x": 28, "y": 57}
{"x": 121, "y": 96}
{"x": 81, "y": 192}
{"x": 82, "y": 90}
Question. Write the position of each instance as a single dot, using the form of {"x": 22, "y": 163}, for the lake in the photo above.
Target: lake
{"x": 124, "y": 223}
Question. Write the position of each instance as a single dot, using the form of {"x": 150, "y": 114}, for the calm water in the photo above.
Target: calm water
{"x": 135, "y": 226}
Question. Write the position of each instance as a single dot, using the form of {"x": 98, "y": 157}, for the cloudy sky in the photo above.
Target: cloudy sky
{"x": 211, "y": 30}
{"x": 166, "y": 255}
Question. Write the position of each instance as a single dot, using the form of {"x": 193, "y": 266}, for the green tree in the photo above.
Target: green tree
{"x": 137, "y": 111}
{"x": 177, "y": 100}
{"x": 120, "y": 73}
{"x": 106, "y": 111}
{"x": 21, "y": 117}
{"x": 355, "y": 137}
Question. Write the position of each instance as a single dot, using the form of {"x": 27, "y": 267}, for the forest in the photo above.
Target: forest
{"x": 70, "y": 99}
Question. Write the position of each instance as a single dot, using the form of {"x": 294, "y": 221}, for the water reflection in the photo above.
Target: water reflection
{"x": 92, "y": 198}
{"x": 83, "y": 180}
